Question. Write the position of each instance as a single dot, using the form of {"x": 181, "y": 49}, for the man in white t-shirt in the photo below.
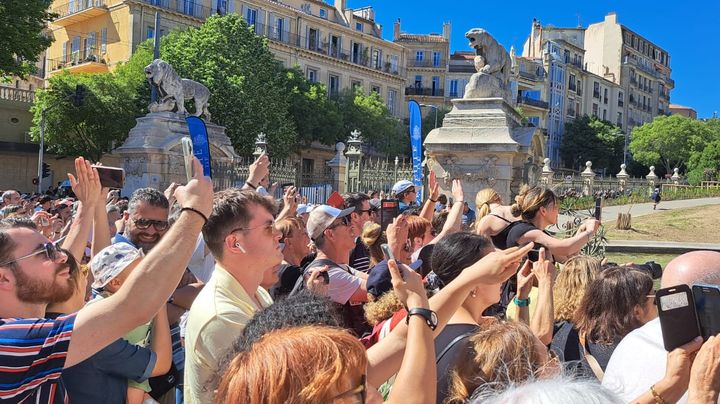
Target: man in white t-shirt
{"x": 639, "y": 361}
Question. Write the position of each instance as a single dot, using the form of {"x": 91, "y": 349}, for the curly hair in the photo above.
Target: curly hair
{"x": 383, "y": 308}
{"x": 294, "y": 365}
{"x": 571, "y": 284}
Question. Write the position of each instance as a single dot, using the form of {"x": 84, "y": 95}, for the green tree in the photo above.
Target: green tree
{"x": 21, "y": 28}
{"x": 368, "y": 114}
{"x": 90, "y": 130}
{"x": 247, "y": 84}
{"x": 589, "y": 138}
{"x": 705, "y": 165}
{"x": 428, "y": 122}
{"x": 316, "y": 117}
{"x": 669, "y": 141}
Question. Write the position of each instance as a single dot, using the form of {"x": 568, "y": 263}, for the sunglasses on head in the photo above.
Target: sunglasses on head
{"x": 143, "y": 224}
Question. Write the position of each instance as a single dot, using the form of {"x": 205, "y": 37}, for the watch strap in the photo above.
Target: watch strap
{"x": 429, "y": 316}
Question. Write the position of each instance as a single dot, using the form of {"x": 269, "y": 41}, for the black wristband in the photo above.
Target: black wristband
{"x": 433, "y": 200}
{"x": 250, "y": 185}
{"x": 202, "y": 215}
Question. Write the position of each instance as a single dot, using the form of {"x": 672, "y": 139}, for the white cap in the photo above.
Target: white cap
{"x": 111, "y": 261}
{"x": 322, "y": 217}
{"x": 401, "y": 186}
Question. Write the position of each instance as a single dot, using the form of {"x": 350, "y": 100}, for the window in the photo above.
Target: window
{"x": 279, "y": 28}
{"x": 376, "y": 59}
{"x": 375, "y": 89}
{"x": 222, "y": 7}
{"x": 577, "y": 108}
{"x": 596, "y": 90}
{"x": 313, "y": 39}
{"x": 436, "y": 59}
{"x": 334, "y": 84}
{"x": 418, "y": 81}
{"x": 453, "y": 88}
{"x": 103, "y": 40}
{"x": 312, "y": 75}
{"x": 355, "y": 84}
{"x": 595, "y": 110}
{"x": 436, "y": 85}
{"x": 571, "y": 83}
{"x": 393, "y": 64}
{"x": 619, "y": 119}
{"x": 323, "y": 13}
{"x": 251, "y": 16}
{"x": 358, "y": 26}
{"x": 419, "y": 56}
{"x": 567, "y": 56}
{"x": 392, "y": 96}
{"x": 150, "y": 33}
{"x": 356, "y": 52}
{"x": 605, "y": 96}
{"x": 604, "y": 114}
{"x": 534, "y": 121}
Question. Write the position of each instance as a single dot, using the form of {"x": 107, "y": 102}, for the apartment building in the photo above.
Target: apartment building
{"x": 427, "y": 64}
{"x": 688, "y": 112}
{"x": 461, "y": 67}
{"x": 531, "y": 91}
{"x": 330, "y": 43}
{"x": 640, "y": 67}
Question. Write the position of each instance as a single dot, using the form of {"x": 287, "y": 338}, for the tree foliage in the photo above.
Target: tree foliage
{"x": 21, "y": 28}
{"x": 316, "y": 117}
{"x": 669, "y": 141}
{"x": 589, "y": 138}
{"x": 248, "y": 86}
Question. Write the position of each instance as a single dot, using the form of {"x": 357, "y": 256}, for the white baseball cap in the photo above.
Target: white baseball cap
{"x": 322, "y": 216}
{"x": 402, "y": 186}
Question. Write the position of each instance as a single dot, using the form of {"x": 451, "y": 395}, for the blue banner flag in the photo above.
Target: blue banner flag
{"x": 201, "y": 144}
{"x": 416, "y": 144}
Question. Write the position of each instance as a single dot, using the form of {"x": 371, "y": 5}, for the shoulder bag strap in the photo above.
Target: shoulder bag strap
{"x": 452, "y": 343}
{"x": 594, "y": 365}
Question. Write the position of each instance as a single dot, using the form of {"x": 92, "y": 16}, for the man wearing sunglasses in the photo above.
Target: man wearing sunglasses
{"x": 146, "y": 219}
{"x": 360, "y": 255}
{"x": 33, "y": 273}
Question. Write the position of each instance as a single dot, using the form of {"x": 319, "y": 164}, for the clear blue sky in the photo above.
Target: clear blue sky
{"x": 688, "y": 30}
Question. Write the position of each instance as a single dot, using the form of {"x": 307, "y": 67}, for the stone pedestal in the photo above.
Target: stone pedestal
{"x": 152, "y": 154}
{"x": 483, "y": 143}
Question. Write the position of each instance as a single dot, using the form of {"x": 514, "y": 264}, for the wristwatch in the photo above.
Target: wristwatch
{"x": 522, "y": 302}
{"x": 429, "y": 316}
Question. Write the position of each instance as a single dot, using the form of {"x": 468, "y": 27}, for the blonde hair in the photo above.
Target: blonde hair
{"x": 529, "y": 201}
{"x": 372, "y": 237}
{"x": 483, "y": 199}
{"x": 293, "y": 365}
{"x": 501, "y": 354}
{"x": 383, "y": 308}
{"x": 571, "y": 284}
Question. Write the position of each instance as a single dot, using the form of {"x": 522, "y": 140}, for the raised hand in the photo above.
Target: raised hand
{"x": 198, "y": 193}
{"x": 543, "y": 269}
{"x": 525, "y": 280}
{"x": 170, "y": 193}
{"x": 705, "y": 373}
{"x": 457, "y": 191}
{"x": 496, "y": 267}
{"x": 87, "y": 184}
{"x": 434, "y": 186}
{"x": 408, "y": 285}
{"x": 397, "y": 234}
{"x": 259, "y": 170}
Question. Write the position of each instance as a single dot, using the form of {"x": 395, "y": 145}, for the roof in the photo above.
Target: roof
{"x": 462, "y": 56}
{"x": 422, "y": 38}
{"x": 678, "y": 106}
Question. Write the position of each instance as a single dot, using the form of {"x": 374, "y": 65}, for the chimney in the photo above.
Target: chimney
{"x": 446, "y": 30}
{"x": 396, "y": 30}
{"x": 341, "y": 5}
{"x": 611, "y": 17}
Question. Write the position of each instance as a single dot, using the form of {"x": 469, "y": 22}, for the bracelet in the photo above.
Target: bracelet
{"x": 250, "y": 185}
{"x": 657, "y": 397}
{"x": 196, "y": 211}
{"x": 433, "y": 200}
{"x": 521, "y": 302}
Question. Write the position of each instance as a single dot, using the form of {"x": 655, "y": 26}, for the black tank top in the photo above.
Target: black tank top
{"x": 500, "y": 239}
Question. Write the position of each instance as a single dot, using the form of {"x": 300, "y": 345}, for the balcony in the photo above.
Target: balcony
{"x": 17, "y": 95}
{"x": 361, "y": 58}
{"x": 82, "y": 61}
{"x": 427, "y": 92}
{"x": 531, "y": 76}
{"x": 185, "y": 7}
{"x": 532, "y": 102}
{"x": 428, "y": 63}
{"x": 572, "y": 87}
{"x": 596, "y": 94}
{"x": 78, "y": 11}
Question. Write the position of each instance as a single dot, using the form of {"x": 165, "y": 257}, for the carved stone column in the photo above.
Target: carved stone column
{"x": 676, "y": 176}
{"x": 588, "y": 177}
{"x": 652, "y": 180}
{"x": 354, "y": 161}
{"x": 546, "y": 176}
{"x": 338, "y": 166}
{"x": 622, "y": 177}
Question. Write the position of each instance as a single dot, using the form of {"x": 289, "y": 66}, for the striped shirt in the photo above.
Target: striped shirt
{"x": 32, "y": 357}
{"x": 360, "y": 257}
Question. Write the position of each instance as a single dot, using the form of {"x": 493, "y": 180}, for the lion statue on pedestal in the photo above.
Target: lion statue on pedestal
{"x": 174, "y": 90}
{"x": 493, "y": 66}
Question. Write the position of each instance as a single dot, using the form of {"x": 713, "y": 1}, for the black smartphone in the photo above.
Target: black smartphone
{"x": 390, "y": 256}
{"x": 598, "y": 208}
{"x": 287, "y": 184}
{"x": 678, "y": 317}
{"x": 111, "y": 177}
{"x": 389, "y": 209}
{"x": 707, "y": 306}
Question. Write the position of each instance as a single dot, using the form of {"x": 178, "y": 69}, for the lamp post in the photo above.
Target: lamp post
{"x": 435, "y": 107}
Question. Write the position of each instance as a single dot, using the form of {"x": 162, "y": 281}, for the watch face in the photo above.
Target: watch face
{"x": 433, "y": 318}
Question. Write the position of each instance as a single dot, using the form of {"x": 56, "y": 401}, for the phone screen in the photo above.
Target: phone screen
{"x": 707, "y": 305}
{"x": 678, "y": 318}
{"x": 598, "y": 208}
{"x": 111, "y": 177}
{"x": 389, "y": 209}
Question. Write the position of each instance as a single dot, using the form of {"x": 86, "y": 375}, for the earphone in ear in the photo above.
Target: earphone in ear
{"x": 240, "y": 247}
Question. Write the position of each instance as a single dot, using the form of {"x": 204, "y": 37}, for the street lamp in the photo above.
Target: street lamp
{"x": 435, "y": 107}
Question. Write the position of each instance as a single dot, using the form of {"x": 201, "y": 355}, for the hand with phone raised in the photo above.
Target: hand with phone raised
{"x": 198, "y": 193}
{"x": 408, "y": 285}
{"x": 85, "y": 183}
{"x": 259, "y": 170}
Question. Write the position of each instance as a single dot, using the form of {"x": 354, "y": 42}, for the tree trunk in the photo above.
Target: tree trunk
{"x": 623, "y": 221}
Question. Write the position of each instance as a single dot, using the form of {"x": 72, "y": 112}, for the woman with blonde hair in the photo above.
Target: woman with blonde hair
{"x": 497, "y": 356}
{"x": 571, "y": 283}
{"x": 493, "y": 218}
{"x": 539, "y": 208}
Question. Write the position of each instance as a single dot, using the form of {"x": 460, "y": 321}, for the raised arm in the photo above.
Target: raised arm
{"x": 161, "y": 343}
{"x": 258, "y": 170}
{"x": 525, "y": 279}
{"x": 155, "y": 278}
{"x": 289, "y": 204}
{"x": 454, "y": 218}
{"x": 87, "y": 190}
{"x": 563, "y": 247}
{"x": 428, "y": 209}
{"x": 543, "y": 319}
{"x": 101, "y": 227}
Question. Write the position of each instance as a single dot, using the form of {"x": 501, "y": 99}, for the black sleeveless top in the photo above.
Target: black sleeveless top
{"x": 500, "y": 239}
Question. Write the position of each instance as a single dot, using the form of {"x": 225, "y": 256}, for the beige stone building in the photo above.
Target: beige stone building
{"x": 688, "y": 112}
{"x": 427, "y": 64}
{"x": 640, "y": 67}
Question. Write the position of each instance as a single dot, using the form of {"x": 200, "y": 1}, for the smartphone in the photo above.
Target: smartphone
{"x": 678, "y": 317}
{"x": 389, "y": 209}
{"x": 111, "y": 177}
{"x": 707, "y": 306}
{"x": 598, "y": 208}
{"x": 187, "y": 148}
{"x": 390, "y": 256}
{"x": 287, "y": 184}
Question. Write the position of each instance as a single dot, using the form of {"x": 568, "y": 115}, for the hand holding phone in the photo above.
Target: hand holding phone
{"x": 678, "y": 317}
{"x": 598, "y": 208}
{"x": 389, "y": 209}
{"x": 111, "y": 177}
{"x": 187, "y": 148}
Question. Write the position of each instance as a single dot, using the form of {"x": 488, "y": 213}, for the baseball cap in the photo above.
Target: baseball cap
{"x": 304, "y": 208}
{"x": 111, "y": 261}
{"x": 380, "y": 281}
{"x": 402, "y": 186}
{"x": 322, "y": 217}
{"x": 66, "y": 201}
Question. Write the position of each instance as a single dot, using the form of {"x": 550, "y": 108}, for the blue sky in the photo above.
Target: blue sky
{"x": 688, "y": 30}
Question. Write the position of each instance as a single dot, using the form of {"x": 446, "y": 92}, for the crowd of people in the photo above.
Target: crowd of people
{"x": 229, "y": 296}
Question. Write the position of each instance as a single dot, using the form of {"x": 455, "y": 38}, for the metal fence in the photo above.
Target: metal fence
{"x": 379, "y": 174}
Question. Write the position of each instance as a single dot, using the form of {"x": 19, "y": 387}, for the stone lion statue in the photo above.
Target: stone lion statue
{"x": 174, "y": 90}
{"x": 493, "y": 65}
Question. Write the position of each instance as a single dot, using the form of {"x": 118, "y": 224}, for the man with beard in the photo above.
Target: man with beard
{"x": 146, "y": 219}
{"x": 34, "y": 272}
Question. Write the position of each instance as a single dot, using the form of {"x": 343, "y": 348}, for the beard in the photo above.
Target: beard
{"x": 36, "y": 291}
{"x": 146, "y": 246}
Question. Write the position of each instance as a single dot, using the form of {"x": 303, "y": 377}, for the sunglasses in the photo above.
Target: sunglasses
{"x": 360, "y": 391}
{"x": 52, "y": 252}
{"x": 143, "y": 224}
{"x": 344, "y": 221}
